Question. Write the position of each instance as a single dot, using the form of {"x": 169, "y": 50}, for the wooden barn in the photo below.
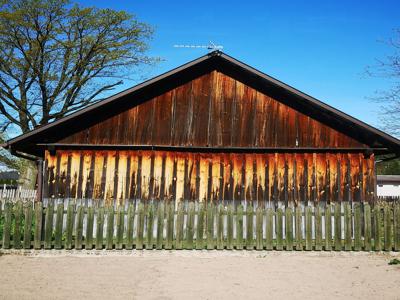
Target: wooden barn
{"x": 214, "y": 129}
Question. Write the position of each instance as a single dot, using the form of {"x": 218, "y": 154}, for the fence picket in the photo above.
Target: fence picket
{"x": 298, "y": 226}
{"x": 27, "y": 225}
{"x": 70, "y": 226}
{"x": 347, "y": 227}
{"x": 269, "y": 229}
{"x": 17, "y": 225}
{"x": 140, "y": 227}
{"x": 179, "y": 227}
{"x": 377, "y": 228}
{"x": 200, "y": 227}
{"x": 59, "y": 226}
{"x": 89, "y": 228}
{"x": 38, "y": 226}
{"x": 48, "y": 227}
{"x": 318, "y": 227}
{"x": 220, "y": 227}
{"x": 279, "y": 231}
{"x": 308, "y": 221}
{"x": 110, "y": 227}
{"x": 239, "y": 227}
{"x": 160, "y": 226}
{"x": 120, "y": 227}
{"x": 229, "y": 229}
{"x": 149, "y": 226}
{"x": 259, "y": 228}
{"x": 338, "y": 227}
{"x": 357, "y": 226}
{"x": 328, "y": 228}
{"x": 7, "y": 225}
{"x": 387, "y": 226}
{"x": 80, "y": 213}
{"x": 210, "y": 226}
{"x": 249, "y": 227}
{"x": 190, "y": 226}
{"x": 129, "y": 226}
{"x": 396, "y": 227}
{"x": 99, "y": 228}
{"x": 367, "y": 227}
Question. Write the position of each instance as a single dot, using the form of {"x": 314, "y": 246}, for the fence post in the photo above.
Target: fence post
{"x": 7, "y": 225}
{"x": 38, "y": 226}
{"x": 27, "y": 226}
{"x": 328, "y": 227}
{"x": 357, "y": 226}
{"x": 318, "y": 227}
{"x": 347, "y": 226}
{"x": 367, "y": 227}
{"x": 269, "y": 229}
{"x": 279, "y": 231}
{"x": 70, "y": 225}
{"x": 18, "y": 225}
{"x": 48, "y": 227}
{"x": 338, "y": 226}
{"x": 298, "y": 226}
{"x": 308, "y": 221}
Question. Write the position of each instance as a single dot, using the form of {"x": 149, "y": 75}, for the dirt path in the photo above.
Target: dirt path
{"x": 199, "y": 275}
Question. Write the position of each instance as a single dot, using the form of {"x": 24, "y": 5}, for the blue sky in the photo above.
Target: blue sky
{"x": 319, "y": 47}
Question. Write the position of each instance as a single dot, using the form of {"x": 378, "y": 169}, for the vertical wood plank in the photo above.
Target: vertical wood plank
{"x": 7, "y": 225}
{"x": 318, "y": 227}
{"x": 396, "y": 227}
{"x": 38, "y": 226}
{"x": 347, "y": 227}
{"x": 69, "y": 226}
{"x": 278, "y": 229}
{"x": 338, "y": 227}
{"x": 249, "y": 227}
{"x": 130, "y": 219}
{"x": 48, "y": 229}
{"x": 298, "y": 226}
{"x": 149, "y": 227}
{"x": 190, "y": 226}
{"x": 357, "y": 226}
{"x": 239, "y": 227}
{"x": 308, "y": 220}
{"x": 259, "y": 228}
{"x": 387, "y": 223}
{"x": 140, "y": 227}
{"x": 179, "y": 227}
{"x": 367, "y": 227}
{"x": 120, "y": 227}
{"x": 59, "y": 226}
{"x": 27, "y": 225}
{"x": 17, "y": 224}
{"x": 80, "y": 213}
{"x": 160, "y": 225}
{"x": 210, "y": 226}
{"x": 229, "y": 221}
{"x": 377, "y": 228}
{"x": 269, "y": 229}
{"x": 110, "y": 227}
{"x": 200, "y": 227}
{"x": 289, "y": 228}
{"x": 89, "y": 228}
{"x": 170, "y": 226}
{"x": 220, "y": 227}
{"x": 99, "y": 228}
{"x": 328, "y": 227}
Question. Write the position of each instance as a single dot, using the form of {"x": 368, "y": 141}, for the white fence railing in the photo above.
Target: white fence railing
{"x": 14, "y": 194}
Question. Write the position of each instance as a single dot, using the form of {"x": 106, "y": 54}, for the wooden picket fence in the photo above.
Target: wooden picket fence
{"x": 68, "y": 225}
{"x": 19, "y": 193}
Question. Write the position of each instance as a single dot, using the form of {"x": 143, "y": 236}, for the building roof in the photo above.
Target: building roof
{"x": 388, "y": 178}
{"x": 377, "y": 140}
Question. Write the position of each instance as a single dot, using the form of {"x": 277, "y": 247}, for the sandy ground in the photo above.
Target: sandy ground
{"x": 198, "y": 275}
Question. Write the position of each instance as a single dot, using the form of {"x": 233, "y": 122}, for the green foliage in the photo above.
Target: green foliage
{"x": 391, "y": 167}
{"x": 57, "y": 57}
{"x": 394, "y": 261}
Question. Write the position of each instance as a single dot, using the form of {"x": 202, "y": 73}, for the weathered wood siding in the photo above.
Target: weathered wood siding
{"x": 213, "y": 110}
{"x": 214, "y": 177}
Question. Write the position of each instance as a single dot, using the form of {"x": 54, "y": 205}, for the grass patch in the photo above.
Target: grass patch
{"x": 394, "y": 261}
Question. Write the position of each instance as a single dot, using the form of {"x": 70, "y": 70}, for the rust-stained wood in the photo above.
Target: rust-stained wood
{"x": 212, "y": 110}
{"x": 210, "y": 177}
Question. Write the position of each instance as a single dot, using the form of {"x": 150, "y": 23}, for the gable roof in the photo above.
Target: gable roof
{"x": 216, "y": 60}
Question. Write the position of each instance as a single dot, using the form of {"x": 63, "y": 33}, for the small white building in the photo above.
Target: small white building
{"x": 388, "y": 185}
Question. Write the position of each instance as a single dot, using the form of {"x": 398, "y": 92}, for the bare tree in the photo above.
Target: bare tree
{"x": 57, "y": 57}
{"x": 389, "y": 67}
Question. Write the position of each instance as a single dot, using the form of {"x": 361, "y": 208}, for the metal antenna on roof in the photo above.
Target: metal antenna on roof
{"x": 211, "y": 46}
